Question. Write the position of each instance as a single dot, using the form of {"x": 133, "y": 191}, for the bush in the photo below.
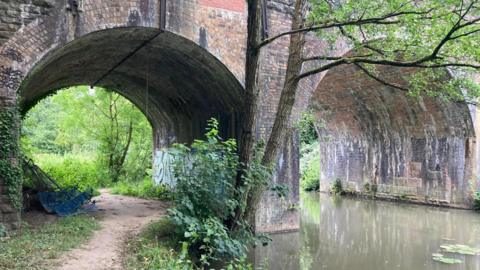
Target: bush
{"x": 476, "y": 201}
{"x": 206, "y": 197}
{"x": 370, "y": 188}
{"x": 337, "y": 187}
{"x": 306, "y": 126}
{"x": 72, "y": 171}
{"x": 157, "y": 248}
{"x": 310, "y": 179}
{"x": 145, "y": 189}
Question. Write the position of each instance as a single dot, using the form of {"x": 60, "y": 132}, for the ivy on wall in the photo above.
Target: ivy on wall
{"x": 10, "y": 170}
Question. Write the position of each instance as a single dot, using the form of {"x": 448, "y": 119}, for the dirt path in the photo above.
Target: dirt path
{"x": 121, "y": 216}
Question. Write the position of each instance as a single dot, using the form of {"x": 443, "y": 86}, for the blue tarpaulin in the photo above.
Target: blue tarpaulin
{"x": 54, "y": 199}
{"x": 65, "y": 202}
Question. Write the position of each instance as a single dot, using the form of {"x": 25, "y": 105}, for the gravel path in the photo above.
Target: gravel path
{"x": 121, "y": 216}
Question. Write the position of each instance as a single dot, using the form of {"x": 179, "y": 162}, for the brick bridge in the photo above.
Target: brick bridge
{"x": 182, "y": 62}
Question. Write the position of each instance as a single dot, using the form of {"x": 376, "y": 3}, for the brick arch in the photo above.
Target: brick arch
{"x": 370, "y": 132}
{"x": 209, "y": 24}
{"x": 186, "y": 85}
{"x": 202, "y": 26}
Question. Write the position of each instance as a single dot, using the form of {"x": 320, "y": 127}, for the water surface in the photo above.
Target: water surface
{"x": 345, "y": 233}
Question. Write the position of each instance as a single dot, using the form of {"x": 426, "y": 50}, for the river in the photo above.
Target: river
{"x": 355, "y": 234}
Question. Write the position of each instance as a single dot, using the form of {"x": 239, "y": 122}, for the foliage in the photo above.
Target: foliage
{"x": 337, "y": 187}
{"x": 157, "y": 248}
{"x": 306, "y": 126}
{"x": 460, "y": 249}
{"x": 41, "y": 127}
{"x": 95, "y": 123}
{"x": 440, "y": 258}
{"x": 476, "y": 200}
{"x": 144, "y": 189}
{"x": 370, "y": 188}
{"x": 455, "y": 249}
{"x": 281, "y": 190}
{"x": 310, "y": 170}
{"x": 428, "y": 33}
{"x": 206, "y": 198}
{"x": 33, "y": 248}
{"x": 10, "y": 171}
{"x": 72, "y": 171}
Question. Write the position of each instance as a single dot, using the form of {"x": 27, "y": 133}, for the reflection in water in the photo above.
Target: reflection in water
{"x": 342, "y": 233}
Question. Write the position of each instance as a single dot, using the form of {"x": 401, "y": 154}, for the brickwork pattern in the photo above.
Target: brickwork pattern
{"x": 32, "y": 31}
{"x": 374, "y": 133}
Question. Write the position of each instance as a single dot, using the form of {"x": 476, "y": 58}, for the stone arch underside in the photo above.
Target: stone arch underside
{"x": 176, "y": 83}
{"x": 373, "y": 133}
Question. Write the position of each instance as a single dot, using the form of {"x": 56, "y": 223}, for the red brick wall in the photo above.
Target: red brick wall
{"x": 233, "y": 5}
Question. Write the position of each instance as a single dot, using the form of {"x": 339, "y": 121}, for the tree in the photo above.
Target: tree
{"x": 96, "y": 123}
{"x": 430, "y": 35}
{"x": 117, "y": 127}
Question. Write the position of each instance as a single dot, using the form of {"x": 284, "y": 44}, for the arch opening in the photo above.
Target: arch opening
{"x": 177, "y": 84}
{"x": 86, "y": 138}
{"x": 374, "y": 135}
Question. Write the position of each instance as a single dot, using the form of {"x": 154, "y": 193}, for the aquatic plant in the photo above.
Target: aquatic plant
{"x": 441, "y": 258}
{"x": 460, "y": 249}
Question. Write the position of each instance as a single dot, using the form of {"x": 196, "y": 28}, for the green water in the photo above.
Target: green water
{"x": 343, "y": 233}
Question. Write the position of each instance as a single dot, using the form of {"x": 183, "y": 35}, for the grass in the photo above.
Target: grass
{"x": 156, "y": 248}
{"x": 34, "y": 249}
{"x": 146, "y": 189}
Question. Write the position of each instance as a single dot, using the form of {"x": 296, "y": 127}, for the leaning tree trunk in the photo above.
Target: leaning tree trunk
{"x": 284, "y": 109}
{"x": 249, "y": 114}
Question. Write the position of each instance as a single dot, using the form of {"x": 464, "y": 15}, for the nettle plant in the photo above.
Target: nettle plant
{"x": 206, "y": 197}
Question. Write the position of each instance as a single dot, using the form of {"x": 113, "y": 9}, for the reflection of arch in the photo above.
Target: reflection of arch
{"x": 375, "y": 133}
{"x": 186, "y": 84}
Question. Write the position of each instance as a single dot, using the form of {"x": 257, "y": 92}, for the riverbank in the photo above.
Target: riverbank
{"x": 405, "y": 199}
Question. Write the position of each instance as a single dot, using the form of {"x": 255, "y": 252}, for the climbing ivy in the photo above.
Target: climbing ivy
{"x": 10, "y": 170}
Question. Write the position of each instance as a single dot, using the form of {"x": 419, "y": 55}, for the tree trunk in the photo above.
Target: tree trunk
{"x": 285, "y": 105}
{"x": 247, "y": 135}
{"x": 249, "y": 114}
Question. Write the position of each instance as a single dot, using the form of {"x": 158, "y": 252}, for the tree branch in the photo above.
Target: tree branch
{"x": 383, "y": 20}
{"x": 378, "y": 79}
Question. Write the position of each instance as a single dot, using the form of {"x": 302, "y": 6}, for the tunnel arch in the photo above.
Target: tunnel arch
{"x": 175, "y": 82}
{"x": 373, "y": 133}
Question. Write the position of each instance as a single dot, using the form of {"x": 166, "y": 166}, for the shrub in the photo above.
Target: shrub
{"x": 366, "y": 187}
{"x": 143, "y": 189}
{"x": 337, "y": 187}
{"x": 72, "y": 171}
{"x": 306, "y": 126}
{"x": 310, "y": 179}
{"x": 476, "y": 200}
{"x": 206, "y": 196}
{"x": 157, "y": 248}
